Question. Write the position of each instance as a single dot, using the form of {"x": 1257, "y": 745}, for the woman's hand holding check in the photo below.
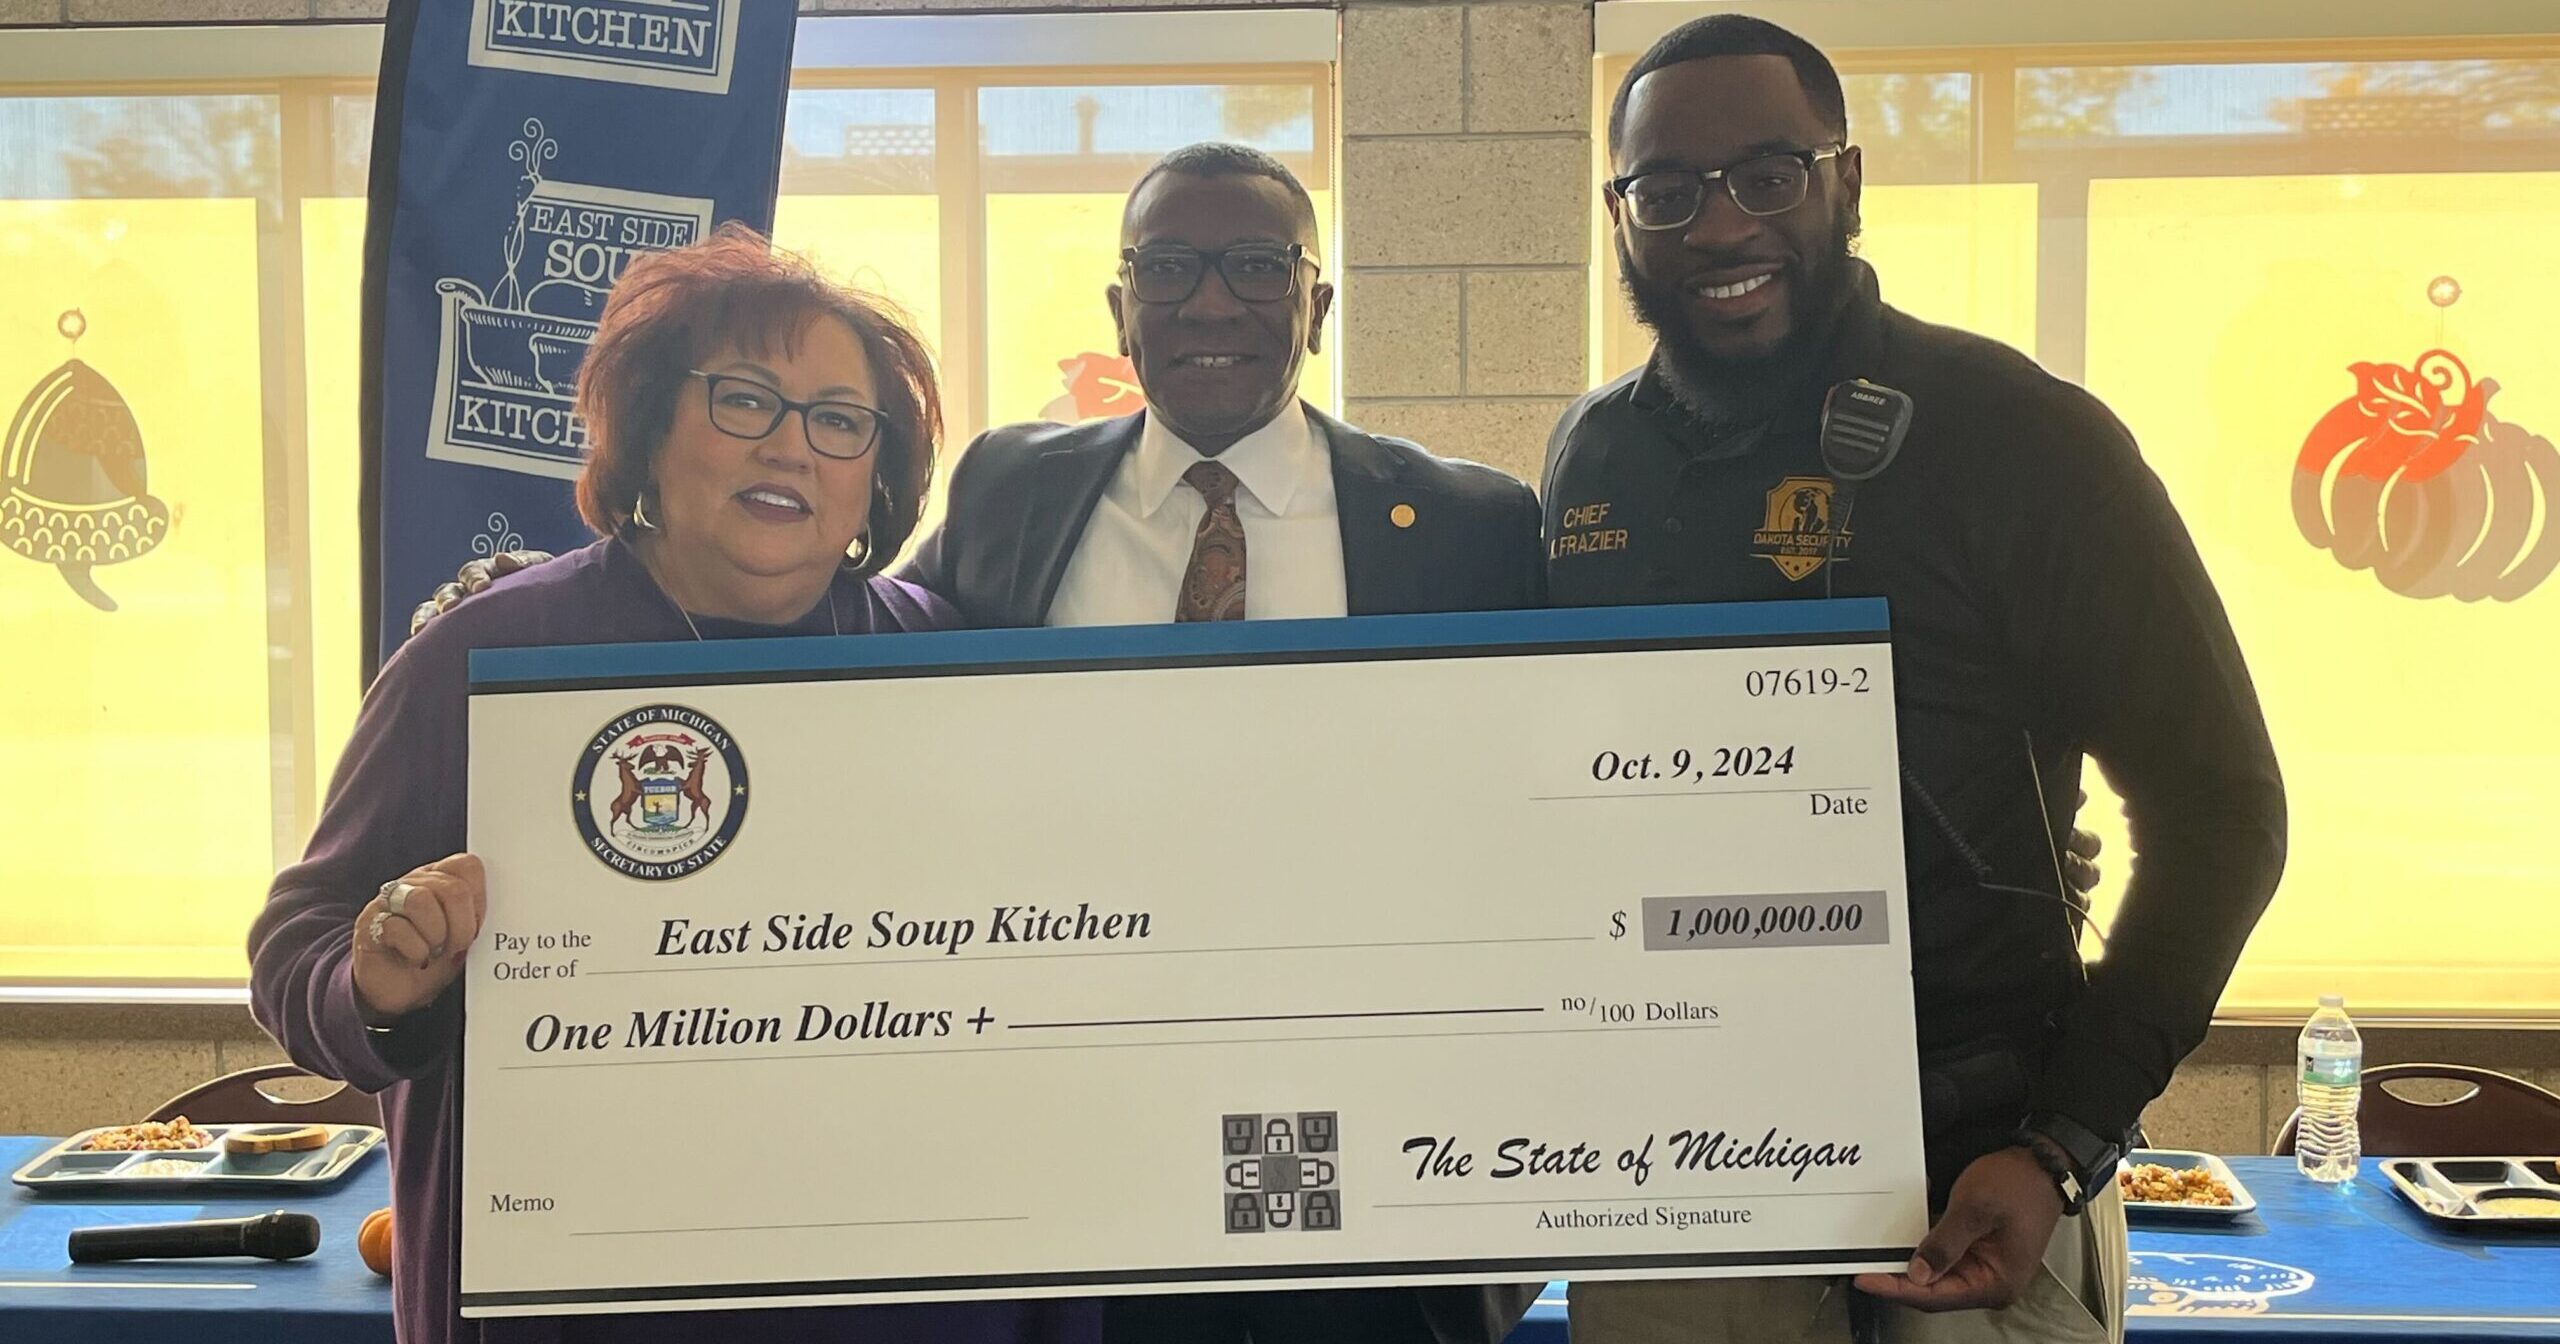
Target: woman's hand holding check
{"x": 411, "y": 938}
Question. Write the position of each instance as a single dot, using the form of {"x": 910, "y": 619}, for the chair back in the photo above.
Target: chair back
{"x": 2498, "y": 1117}
{"x": 273, "y": 1094}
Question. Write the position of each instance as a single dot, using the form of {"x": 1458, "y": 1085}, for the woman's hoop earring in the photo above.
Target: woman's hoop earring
{"x": 640, "y": 514}
{"x": 881, "y": 503}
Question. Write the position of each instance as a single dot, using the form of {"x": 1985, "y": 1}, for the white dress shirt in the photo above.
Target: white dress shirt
{"x": 1127, "y": 569}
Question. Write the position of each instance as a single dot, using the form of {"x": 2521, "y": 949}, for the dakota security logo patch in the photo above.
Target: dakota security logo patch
{"x": 687, "y": 45}
{"x": 659, "y": 793}
{"x": 1796, "y": 532}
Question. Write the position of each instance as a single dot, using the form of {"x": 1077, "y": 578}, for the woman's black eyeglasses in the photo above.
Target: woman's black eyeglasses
{"x": 746, "y": 409}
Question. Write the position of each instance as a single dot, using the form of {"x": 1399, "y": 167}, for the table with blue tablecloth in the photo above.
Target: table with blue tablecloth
{"x": 2350, "y": 1264}
{"x": 327, "y": 1298}
{"x": 2354, "y": 1264}
{"x": 2354, "y": 1261}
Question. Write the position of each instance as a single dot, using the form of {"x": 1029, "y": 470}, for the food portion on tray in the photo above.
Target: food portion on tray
{"x": 179, "y": 1154}
{"x": 2498, "y": 1194}
{"x": 2173, "y": 1183}
{"x": 151, "y": 1136}
{"x": 2152, "y": 1183}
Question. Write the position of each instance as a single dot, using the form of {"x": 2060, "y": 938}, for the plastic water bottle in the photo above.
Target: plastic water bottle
{"x": 2326, "y": 1146}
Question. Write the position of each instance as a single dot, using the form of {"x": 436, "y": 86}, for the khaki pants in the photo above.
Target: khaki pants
{"x": 2078, "y": 1298}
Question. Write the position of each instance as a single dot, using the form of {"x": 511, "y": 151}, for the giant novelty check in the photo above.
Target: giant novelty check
{"x": 1402, "y": 950}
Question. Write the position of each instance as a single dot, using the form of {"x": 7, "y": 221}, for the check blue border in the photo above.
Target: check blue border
{"x": 1206, "y": 641}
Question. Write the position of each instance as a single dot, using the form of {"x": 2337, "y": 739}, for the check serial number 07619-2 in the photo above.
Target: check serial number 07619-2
{"x": 1765, "y": 682}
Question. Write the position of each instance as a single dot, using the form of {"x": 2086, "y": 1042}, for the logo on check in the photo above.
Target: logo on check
{"x": 1282, "y": 1172}
{"x": 659, "y": 793}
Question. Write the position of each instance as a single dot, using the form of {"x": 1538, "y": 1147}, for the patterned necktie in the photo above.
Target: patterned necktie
{"x": 1213, "y": 587}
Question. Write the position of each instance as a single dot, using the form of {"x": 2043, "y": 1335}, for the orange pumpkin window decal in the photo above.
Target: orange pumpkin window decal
{"x": 2413, "y": 478}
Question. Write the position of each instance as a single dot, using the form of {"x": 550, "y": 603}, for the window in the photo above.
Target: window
{"x": 1003, "y": 254}
{"x": 1056, "y": 165}
{"x": 174, "y": 716}
{"x": 987, "y": 204}
{"x": 163, "y": 700}
{"x": 2212, "y": 241}
{"x": 859, "y": 193}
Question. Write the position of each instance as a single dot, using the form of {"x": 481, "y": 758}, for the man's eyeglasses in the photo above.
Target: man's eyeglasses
{"x": 746, "y": 409}
{"x": 1254, "y": 272}
{"x": 1671, "y": 198}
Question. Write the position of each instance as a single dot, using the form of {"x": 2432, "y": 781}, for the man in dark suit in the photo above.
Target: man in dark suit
{"x": 1226, "y": 496}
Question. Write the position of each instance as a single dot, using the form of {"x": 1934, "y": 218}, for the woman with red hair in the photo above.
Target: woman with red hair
{"x": 760, "y": 443}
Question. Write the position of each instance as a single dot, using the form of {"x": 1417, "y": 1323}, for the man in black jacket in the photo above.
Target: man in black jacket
{"x": 2046, "y": 602}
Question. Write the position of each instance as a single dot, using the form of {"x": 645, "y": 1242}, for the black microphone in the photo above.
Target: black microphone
{"x": 269, "y": 1236}
{"x": 1863, "y": 425}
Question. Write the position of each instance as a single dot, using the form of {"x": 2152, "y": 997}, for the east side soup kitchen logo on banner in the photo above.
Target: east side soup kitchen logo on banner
{"x": 507, "y": 356}
{"x": 525, "y": 151}
{"x": 665, "y": 44}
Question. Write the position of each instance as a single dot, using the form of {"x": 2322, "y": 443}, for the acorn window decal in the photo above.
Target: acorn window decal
{"x": 2413, "y": 478}
{"x": 74, "y": 490}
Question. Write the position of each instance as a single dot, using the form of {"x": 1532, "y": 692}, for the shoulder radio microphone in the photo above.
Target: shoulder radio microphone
{"x": 1863, "y": 425}
{"x": 269, "y": 1236}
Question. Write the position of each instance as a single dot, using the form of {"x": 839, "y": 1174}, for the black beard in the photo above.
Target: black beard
{"x": 1723, "y": 392}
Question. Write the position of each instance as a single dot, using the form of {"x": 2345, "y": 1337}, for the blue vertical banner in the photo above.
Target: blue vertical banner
{"x": 524, "y": 151}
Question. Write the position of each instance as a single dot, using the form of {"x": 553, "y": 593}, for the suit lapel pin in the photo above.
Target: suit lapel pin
{"x": 1401, "y": 515}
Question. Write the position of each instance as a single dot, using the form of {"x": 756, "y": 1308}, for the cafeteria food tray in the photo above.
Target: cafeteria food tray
{"x": 67, "y": 1168}
{"x": 2178, "y": 1159}
{"x": 2481, "y": 1193}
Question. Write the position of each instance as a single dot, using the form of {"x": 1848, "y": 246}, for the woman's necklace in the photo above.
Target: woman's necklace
{"x": 832, "y": 623}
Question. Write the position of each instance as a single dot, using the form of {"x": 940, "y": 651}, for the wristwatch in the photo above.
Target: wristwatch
{"x": 2079, "y": 1161}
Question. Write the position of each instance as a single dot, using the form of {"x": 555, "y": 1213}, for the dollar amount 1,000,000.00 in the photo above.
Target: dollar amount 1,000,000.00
{"x": 1682, "y": 923}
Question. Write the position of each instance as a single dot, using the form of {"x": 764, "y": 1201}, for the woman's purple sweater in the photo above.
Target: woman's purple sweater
{"x": 398, "y": 802}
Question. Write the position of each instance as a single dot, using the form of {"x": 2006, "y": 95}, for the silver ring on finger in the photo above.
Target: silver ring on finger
{"x": 374, "y": 930}
{"x": 436, "y": 953}
{"x": 395, "y": 896}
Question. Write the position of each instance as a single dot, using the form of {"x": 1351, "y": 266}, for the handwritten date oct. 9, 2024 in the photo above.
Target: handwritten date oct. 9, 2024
{"x": 1682, "y": 765}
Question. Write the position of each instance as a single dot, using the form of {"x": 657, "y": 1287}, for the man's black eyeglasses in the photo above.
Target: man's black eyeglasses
{"x": 1670, "y": 198}
{"x": 1254, "y": 272}
{"x": 743, "y": 408}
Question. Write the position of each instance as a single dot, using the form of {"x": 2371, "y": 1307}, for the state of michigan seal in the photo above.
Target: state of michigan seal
{"x": 659, "y": 793}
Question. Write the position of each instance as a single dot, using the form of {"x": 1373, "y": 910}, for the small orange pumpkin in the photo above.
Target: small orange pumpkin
{"x": 373, "y": 1241}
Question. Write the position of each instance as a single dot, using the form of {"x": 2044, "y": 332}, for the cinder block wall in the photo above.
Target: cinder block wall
{"x": 1466, "y": 226}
